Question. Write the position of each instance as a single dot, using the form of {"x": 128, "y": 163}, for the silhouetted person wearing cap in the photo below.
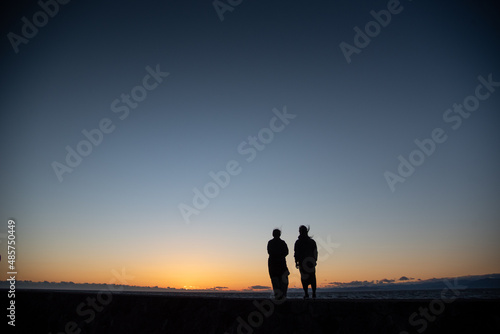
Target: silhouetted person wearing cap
{"x": 306, "y": 255}
{"x": 278, "y": 271}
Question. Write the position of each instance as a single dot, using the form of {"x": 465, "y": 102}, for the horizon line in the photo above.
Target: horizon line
{"x": 263, "y": 288}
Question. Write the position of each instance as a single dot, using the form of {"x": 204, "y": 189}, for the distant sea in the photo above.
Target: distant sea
{"x": 347, "y": 295}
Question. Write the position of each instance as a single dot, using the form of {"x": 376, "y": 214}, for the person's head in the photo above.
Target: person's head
{"x": 303, "y": 230}
{"x": 276, "y": 233}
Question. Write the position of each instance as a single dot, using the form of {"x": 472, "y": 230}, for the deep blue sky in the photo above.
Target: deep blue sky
{"x": 325, "y": 169}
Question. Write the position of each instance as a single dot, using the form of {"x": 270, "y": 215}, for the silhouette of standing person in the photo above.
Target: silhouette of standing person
{"x": 306, "y": 255}
{"x": 278, "y": 271}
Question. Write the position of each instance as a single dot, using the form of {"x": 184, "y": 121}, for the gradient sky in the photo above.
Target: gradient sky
{"x": 119, "y": 208}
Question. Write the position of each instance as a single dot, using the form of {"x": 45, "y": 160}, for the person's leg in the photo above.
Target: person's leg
{"x": 276, "y": 286}
{"x": 305, "y": 286}
{"x": 304, "y": 278}
{"x": 284, "y": 283}
{"x": 313, "y": 284}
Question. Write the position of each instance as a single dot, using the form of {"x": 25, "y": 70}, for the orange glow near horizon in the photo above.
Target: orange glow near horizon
{"x": 203, "y": 259}
{"x": 208, "y": 276}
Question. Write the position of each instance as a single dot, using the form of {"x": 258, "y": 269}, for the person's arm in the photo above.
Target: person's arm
{"x": 295, "y": 255}
{"x": 315, "y": 252}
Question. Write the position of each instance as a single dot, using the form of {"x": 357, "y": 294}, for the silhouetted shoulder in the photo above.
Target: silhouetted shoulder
{"x": 305, "y": 247}
{"x": 277, "y": 248}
